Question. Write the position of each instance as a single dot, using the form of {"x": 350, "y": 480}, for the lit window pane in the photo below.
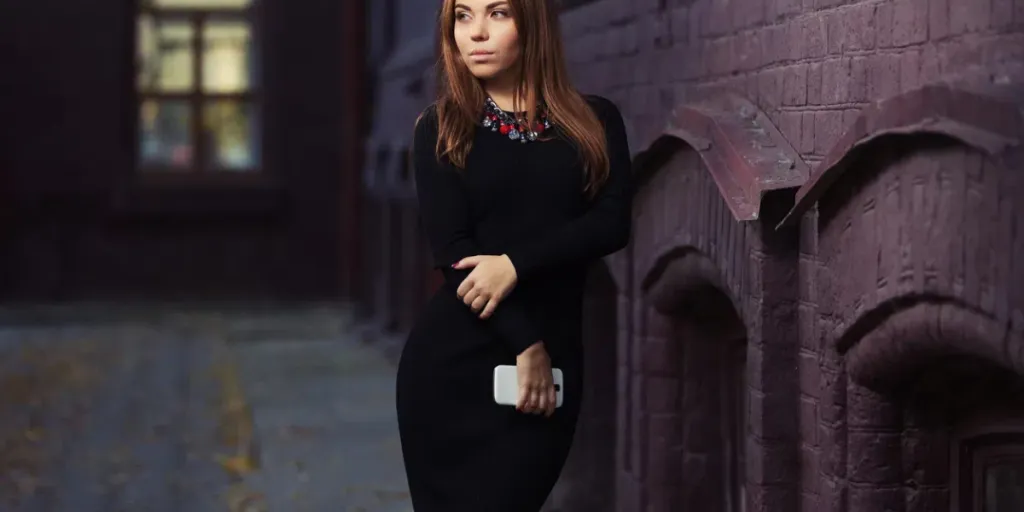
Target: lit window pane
{"x": 226, "y": 50}
{"x": 165, "y": 55}
{"x": 1004, "y": 487}
{"x": 200, "y": 4}
{"x": 231, "y": 130}
{"x": 164, "y": 134}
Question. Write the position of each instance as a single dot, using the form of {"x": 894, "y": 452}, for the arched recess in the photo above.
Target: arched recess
{"x": 919, "y": 306}
{"x": 706, "y": 461}
{"x": 588, "y": 480}
{"x": 712, "y": 285}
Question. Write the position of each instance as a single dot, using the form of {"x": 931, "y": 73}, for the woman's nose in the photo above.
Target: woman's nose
{"x": 479, "y": 31}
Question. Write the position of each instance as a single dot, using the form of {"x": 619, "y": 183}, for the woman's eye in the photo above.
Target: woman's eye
{"x": 460, "y": 16}
{"x": 500, "y": 14}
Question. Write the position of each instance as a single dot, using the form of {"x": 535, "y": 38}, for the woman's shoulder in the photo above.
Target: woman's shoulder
{"x": 427, "y": 118}
{"x": 426, "y": 127}
{"x": 605, "y": 108}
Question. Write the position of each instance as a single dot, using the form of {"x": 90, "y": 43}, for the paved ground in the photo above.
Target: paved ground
{"x": 181, "y": 409}
{"x": 325, "y": 420}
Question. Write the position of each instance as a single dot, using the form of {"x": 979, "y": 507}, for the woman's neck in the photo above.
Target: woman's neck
{"x": 503, "y": 90}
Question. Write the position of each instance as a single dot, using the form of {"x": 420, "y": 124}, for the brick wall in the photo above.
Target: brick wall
{"x": 809, "y": 64}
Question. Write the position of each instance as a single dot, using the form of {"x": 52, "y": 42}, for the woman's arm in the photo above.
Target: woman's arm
{"x": 605, "y": 227}
{"x": 445, "y": 215}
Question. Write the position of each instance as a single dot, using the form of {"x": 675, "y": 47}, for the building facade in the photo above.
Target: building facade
{"x": 821, "y": 308}
{"x": 180, "y": 148}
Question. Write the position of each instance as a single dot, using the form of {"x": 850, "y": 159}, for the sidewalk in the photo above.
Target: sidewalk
{"x": 324, "y": 415}
{"x": 104, "y": 411}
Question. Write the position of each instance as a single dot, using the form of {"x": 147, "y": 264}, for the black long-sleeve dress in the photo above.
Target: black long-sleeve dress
{"x": 463, "y": 452}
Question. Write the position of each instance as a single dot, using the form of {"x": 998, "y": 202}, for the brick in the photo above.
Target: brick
{"x": 808, "y": 421}
{"x": 836, "y": 32}
{"x": 719, "y": 19}
{"x": 910, "y": 70}
{"x": 883, "y": 25}
{"x": 874, "y": 498}
{"x": 810, "y": 375}
{"x": 771, "y": 463}
{"x": 814, "y": 81}
{"x": 786, "y": 7}
{"x": 806, "y": 146}
{"x": 832, "y": 442}
{"x": 775, "y": 41}
{"x": 866, "y": 408}
{"x": 883, "y": 76}
{"x": 813, "y": 30}
{"x": 849, "y": 117}
{"x": 796, "y": 40}
{"x": 749, "y": 13}
{"x": 794, "y": 84}
{"x": 770, "y": 82}
{"x": 747, "y": 51}
{"x": 929, "y": 61}
{"x": 926, "y": 456}
{"x": 827, "y": 128}
{"x": 938, "y": 20}
{"x": 835, "y": 81}
{"x": 859, "y": 80}
{"x": 860, "y": 27}
{"x": 874, "y": 457}
{"x": 789, "y": 126}
{"x": 926, "y": 500}
{"x": 973, "y": 16}
{"x": 809, "y": 468}
{"x": 910, "y": 22}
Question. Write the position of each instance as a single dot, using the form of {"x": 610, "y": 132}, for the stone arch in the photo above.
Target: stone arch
{"x": 588, "y": 479}
{"x": 914, "y": 293}
{"x": 697, "y": 347}
{"x": 885, "y": 348}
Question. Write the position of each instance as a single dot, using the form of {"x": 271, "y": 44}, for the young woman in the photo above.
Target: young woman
{"x": 522, "y": 184}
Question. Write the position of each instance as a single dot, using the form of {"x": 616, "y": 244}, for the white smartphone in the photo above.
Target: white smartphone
{"x": 506, "y": 385}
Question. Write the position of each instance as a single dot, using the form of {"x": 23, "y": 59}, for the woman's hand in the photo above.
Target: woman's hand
{"x": 492, "y": 278}
{"x": 536, "y": 382}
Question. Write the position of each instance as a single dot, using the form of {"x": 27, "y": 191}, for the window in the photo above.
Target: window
{"x": 992, "y": 474}
{"x": 198, "y": 111}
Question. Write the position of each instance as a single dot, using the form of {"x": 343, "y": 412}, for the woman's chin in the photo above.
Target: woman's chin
{"x": 484, "y": 71}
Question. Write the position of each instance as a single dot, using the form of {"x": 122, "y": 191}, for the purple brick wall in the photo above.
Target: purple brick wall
{"x": 817, "y": 438}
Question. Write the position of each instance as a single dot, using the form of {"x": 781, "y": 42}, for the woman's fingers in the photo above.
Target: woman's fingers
{"x": 478, "y": 303}
{"x": 552, "y": 399}
{"x": 489, "y": 308}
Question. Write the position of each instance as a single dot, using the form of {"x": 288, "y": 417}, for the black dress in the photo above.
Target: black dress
{"x": 463, "y": 452}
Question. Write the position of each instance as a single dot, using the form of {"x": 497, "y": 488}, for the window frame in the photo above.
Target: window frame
{"x": 983, "y": 440}
{"x": 200, "y": 171}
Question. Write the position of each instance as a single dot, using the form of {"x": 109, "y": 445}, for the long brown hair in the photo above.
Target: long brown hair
{"x": 543, "y": 73}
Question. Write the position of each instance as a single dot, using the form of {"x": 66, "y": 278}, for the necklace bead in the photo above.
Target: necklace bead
{"x": 515, "y": 129}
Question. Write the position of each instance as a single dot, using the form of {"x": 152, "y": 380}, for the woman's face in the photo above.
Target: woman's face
{"x": 486, "y": 36}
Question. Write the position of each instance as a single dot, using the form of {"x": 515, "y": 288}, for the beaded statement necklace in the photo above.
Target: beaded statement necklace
{"x": 516, "y": 129}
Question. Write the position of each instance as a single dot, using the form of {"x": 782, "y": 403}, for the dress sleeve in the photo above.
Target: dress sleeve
{"x": 605, "y": 227}
{"x": 445, "y": 216}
